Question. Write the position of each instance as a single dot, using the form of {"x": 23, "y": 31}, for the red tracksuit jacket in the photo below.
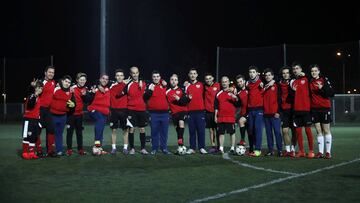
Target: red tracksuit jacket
{"x": 271, "y": 103}
{"x": 197, "y": 91}
{"x": 32, "y": 107}
{"x": 118, "y": 100}
{"x": 135, "y": 95}
{"x": 301, "y": 95}
{"x": 101, "y": 102}
{"x": 225, "y": 104}
{"x": 79, "y": 109}
{"x": 286, "y": 99}
{"x": 176, "y": 106}
{"x": 256, "y": 92}
{"x": 210, "y": 94}
{"x": 58, "y": 104}
{"x": 47, "y": 93}
{"x": 320, "y": 98}
{"x": 156, "y": 100}
{"x": 243, "y": 96}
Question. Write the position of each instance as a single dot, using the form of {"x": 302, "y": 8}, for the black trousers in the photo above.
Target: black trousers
{"x": 74, "y": 123}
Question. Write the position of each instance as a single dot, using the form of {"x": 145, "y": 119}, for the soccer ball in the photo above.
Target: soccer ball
{"x": 240, "y": 150}
{"x": 181, "y": 150}
{"x": 97, "y": 151}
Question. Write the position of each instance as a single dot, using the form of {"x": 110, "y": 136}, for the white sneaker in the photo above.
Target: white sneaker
{"x": 203, "y": 151}
{"x": 144, "y": 152}
{"x": 190, "y": 151}
{"x": 132, "y": 151}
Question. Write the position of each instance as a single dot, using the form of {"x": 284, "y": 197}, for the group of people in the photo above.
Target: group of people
{"x": 286, "y": 104}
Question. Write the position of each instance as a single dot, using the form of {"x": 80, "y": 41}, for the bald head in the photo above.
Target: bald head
{"x": 225, "y": 82}
{"x": 134, "y": 73}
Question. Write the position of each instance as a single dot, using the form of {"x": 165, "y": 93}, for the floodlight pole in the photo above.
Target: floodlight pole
{"x": 217, "y": 62}
{"x": 4, "y": 88}
{"x": 284, "y": 50}
{"x": 102, "y": 36}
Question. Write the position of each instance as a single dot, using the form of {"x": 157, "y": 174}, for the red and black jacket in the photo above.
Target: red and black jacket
{"x": 156, "y": 99}
{"x": 243, "y": 96}
{"x": 302, "y": 94}
{"x": 118, "y": 100}
{"x": 79, "y": 99}
{"x": 47, "y": 93}
{"x": 196, "y": 90}
{"x": 177, "y": 106}
{"x": 320, "y": 98}
{"x": 100, "y": 101}
{"x": 209, "y": 95}
{"x": 58, "y": 104}
{"x": 32, "y": 106}
{"x": 225, "y": 104}
{"x": 272, "y": 100}
{"x": 135, "y": 94}
{"x": 286, "y": 95}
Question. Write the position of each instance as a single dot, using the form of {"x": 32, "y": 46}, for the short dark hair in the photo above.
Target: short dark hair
{"x": 268, "y": 70}
{"x": 313, "y": 66}
{"x": 239, "y": 76}
{"x": 296, "y": 63}
{"x": 119, "y": 70}
{"x": 38, "y": 84}
{"x": 208, "y": 74}
{"x": 49, "y": 67}
{"x": 284, "y": 68}
{"x": 191, "y": 69}
{"x": 66, "y": 77}
{"x": 254, "y": 68}
{"x": 79, "y": 75}
{"x": 155, "y": 72}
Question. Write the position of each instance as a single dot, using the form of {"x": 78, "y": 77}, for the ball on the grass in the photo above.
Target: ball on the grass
{"x": 240, "y": 150}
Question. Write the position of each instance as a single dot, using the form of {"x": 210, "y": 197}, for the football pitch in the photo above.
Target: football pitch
{"x": 172, "y": 178}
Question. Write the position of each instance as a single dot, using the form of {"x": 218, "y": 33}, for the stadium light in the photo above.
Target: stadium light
{"x": 338, "y": 53}
{"x": 349, "y": 92}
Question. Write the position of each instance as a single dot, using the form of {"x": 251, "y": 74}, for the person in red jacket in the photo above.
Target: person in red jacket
{"x": 242, "y": 117}
{"x": 45, "y": 115}
{"x": 63, "y": 101}
{"x": 272, "y": 113}
{"x": 137, "y": 115}
{"x": 196, "y": 120}
{"x": 211, "y": 89}
{"x": 225, "y": 110}
{"x": 321, "y": 91}
{"x": 302, "y": 117}
{"x": 31, "y": 121}
{"x": 158, "y": 107}
{"x": 99, "y": 109}
{"x": 75, "y": 120}
{"x": 177, "y": 102}
{"x": 118, "y": 110}
{"x": 286, "y": 111}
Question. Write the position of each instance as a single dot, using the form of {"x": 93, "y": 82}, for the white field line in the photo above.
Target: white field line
{"x": 279, "y": 180}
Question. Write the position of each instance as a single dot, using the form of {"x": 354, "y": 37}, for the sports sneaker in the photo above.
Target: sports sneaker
{"x": 153, "y": 152}
{"x": 144, "y": 152}
{"x": 81, "y": 152}
{"x": 310, "y": 155}
{"x": 132, "y": 151}
{"x": 125, "y": 151}
{"x": 292, "y": 154}
{"x": 319, "y": 155}
{"x": 251, "y": 154}
{"x": 69, "y": 152}
{"x": 242, "y": 142}
{"x": 166, "y": 152}
{"x": 32, "y": 155}
{"x": 203, "y": 151}
{"x": 60, "y": 154}
{"x": 269, "y": 154}
{"x": 327, "y": 155}
{"x": 40, "y": 154}
{"x": 26, "y": 155}
{"x": 300, "y": 154}
{"x": 212, "y": 150}
{"x": 190, "y": 151}
{"x": 257, "y": 152}
{"x": 281, "y": 154}
{"x": 52, "y": 154}
{"x": 113, "y": 151}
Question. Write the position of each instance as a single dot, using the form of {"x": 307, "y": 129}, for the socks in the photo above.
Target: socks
{"x": 51, "y": 142}
{"x": 142, "y": 140}
{"x": 328, "y": 142}
{"x": 310, "y": 138}
{"x": 242, "y": 132}
{"x": 320, "y": 139}
{"x": 292, "y": 149}
{"x": 300, "y": 139}
{"x": 113, "y": 146}
{"x": 221, "y": 148}
{"x": 131, "y": 140}
{"x": 25, "y": 147}
{"x": 125, "y": 146}
{"x": 287, "y": 148}
{"x": 38, "y": 144}
{"x": 180, "y": 136}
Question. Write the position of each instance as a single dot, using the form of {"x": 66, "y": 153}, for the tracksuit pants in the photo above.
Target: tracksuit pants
{"x": 256, "y": 119}
{"x": 159, "y": 130}
{"x": 273, "y": 126}
{"x": 75, "y": 122}
{"x": 196, "y": 124}
{"x": 59, "y": 123}
{"x": 100, "y": 121}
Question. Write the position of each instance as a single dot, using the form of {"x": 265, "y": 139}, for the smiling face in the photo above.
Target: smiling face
{"x": 119, "y": 76}
{"x": 156, "y": 78}
{"x": 315, "y": 72}
{"x": 134, "y": 73}
{"x": 285, "y": 73}
{"x": 297, "y": 70}
{"x": 253, "y": 74}
{"x": 269, "y": 76}
{"x": 225, "y": 82}
{"x": 66, "y": 83}
{"x": 209, "y": 80}
{"x": 104, "y": 80}
{"x": 174, "y": 80}
{"x": 81, "y": 81}
{"x": 240, "y": 82}
{"x": 193, "y": 75}
{"x": 49, "y": 73}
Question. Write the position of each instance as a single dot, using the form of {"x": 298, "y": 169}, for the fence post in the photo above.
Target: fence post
{"x": 284, "y": 50}
{"x": 333, "y": 105}
{"x": 4, "y": 89}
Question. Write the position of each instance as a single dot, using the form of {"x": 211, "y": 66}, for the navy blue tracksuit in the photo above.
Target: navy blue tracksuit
{"x": 159, "y": 130}
{"x": 272, "y": 126}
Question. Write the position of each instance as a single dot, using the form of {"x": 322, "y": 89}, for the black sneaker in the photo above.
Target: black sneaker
{"x": 269, "y": 154}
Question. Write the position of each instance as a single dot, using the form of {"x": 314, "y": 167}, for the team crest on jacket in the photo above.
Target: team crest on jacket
{"x": 214, "y": 88}
{"x": 177, "y": 92}
{"x": 272, "y": 88}
{"x": 67, "y": 93}
{"x": 302, "y": 82}
{"x": 197, "y": 86}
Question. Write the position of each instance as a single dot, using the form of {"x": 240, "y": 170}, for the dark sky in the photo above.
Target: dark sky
{"x": 164, "y": 35}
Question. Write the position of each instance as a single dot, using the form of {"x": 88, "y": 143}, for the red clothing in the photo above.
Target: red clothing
{"x": 226, "y": 108}
{"x": 157, "y": 100}
{"x": 210, "y": 94}
{"x": 101, "y": 102}
{"x": 58, "y": 104}
{"x": 243, "y": 96}
{"x": 284, "y": 85}
{"x": 78, "y": 99}
{"x": 301, "y": 98}
{"x": 135, "y": 95}
{"x": 271, "y": 105}
{"x": 118, "y": 100}
{"x": 196, "y": 90}
{"x": 47, "y": 93}
{"x": 256, "y": 92}
{"x": 34, "y": 110}
{"x": 174, "y": 106}
{"x": 317, "y": 100}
